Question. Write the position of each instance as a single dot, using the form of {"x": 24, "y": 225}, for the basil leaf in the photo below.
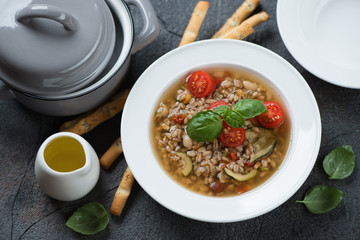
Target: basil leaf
{"x": 222, "y": 110}
{"x": 204, "y": 126}
{"x": 340, "y": 162}
{"x": 235, "y": 119}
{"x": 321, "y": 199}
{"x": 249, "y": 108}
{"x": 89, "y": 219}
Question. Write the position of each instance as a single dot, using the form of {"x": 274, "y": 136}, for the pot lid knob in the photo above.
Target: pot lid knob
{"x": 55, "y": 47}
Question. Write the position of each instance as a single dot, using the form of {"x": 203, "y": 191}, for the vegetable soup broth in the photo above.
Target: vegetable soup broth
{"x": 167, "y": 139}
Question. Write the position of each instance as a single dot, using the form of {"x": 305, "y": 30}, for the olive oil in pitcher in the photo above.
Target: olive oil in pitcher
{"x": 64, "y": 154}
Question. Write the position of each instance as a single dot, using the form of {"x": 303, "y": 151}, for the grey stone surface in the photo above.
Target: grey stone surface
{"x": 27, "y": 213}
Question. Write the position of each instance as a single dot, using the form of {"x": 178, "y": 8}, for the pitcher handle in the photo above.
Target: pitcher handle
{"x": 150, "y": 28}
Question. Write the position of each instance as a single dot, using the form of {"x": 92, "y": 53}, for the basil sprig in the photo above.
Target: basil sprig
{"x": 204, "y": 126}
{"x": 321, "y": 199}
{"x": 249, "y": 108}
{"x": 207, "y": 125}
{"x": 234, "y": 119}
{"x": 340, "y": 162}
{"x": 89, "y": 219}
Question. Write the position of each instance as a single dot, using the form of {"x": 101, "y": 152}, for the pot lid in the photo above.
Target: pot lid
{"x": 54, "y": 47}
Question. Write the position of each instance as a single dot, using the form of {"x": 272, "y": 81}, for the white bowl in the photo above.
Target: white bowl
{"x": 298, "y": 98}
{"x": 323, "y": 37}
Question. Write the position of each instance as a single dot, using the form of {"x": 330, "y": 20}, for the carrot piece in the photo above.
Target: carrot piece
{"x": 233, "y": 157}
{"x": 122, "y": 193}
{"x": 243, "y": 188}
{"x": 256, "y": 19}
{"x": 219, "y": 80}
{"x": 193, "y": 27}
{"x": 103, "y": 113}
{"x": 246, "y": 8}
{"x": 240, "y": 32}
{"x": 111, "y": 154}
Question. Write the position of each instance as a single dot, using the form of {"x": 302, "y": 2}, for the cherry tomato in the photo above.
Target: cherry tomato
{"x": 232, "y": 137}
{"x": 217, "y": 104}
{"x": 178, "y": 118}
{"x": 201, "y": 84}
{"x": 217, "y": 186}
{"x": 273, "y": 117}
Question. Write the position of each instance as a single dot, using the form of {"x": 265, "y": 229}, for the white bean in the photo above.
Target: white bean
{"x": 187, "y": 142}
{"x": 250, "y": 85}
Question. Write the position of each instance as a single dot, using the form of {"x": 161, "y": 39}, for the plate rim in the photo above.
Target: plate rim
{"x": 334, "y": 74}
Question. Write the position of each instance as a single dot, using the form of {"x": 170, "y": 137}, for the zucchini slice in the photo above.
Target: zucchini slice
{"x": 263, "y": 142}
{"x": 241, "y": 177}
{"x": 187, "y": 163}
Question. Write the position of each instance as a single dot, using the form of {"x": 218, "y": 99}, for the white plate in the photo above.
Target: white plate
{"x": 324, "y": 37}
{"x": 298, "y": 98}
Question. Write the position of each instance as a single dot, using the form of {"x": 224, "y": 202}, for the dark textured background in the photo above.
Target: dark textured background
{"x": 27, "y": 213}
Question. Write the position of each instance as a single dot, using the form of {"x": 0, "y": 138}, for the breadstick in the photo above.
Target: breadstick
{"x": 239, "y": 32}
{"x": 193, "y": 27}
{"x": 256, "y": 19}
{"x": 103, "y": 113}
{"x": 72, "y": 122}
{"x": 246, "y": 8}
{"x": 122, "y": 193}
{"x": 111, "y": 154}
{"x": 68, "y": 124}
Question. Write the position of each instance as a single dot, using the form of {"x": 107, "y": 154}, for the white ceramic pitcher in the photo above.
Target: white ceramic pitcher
{"x": 66, "y": 166}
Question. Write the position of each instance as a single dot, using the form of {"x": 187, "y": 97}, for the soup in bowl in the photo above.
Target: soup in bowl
{"x": 237, "y": 158}
{"x": 181, "y": 136}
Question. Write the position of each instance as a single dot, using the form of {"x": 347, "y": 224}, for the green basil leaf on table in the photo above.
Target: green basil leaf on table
{"x": 321, "y": 199}
{"x": 235, "y": 119}
{"x": 249, "y": 108}
{"x": 204, "y": 126}
{"x": 340, "y": 162}
{"x": 89, "y": 219}
{"x": 222, "y": 110}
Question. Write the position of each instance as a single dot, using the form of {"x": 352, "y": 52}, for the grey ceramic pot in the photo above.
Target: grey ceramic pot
{"x": 87, "y": 98}
{"x": 55, "y": 47}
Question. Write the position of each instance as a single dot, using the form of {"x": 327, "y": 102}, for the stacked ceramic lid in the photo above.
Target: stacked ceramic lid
{"x": 56, "y": 47}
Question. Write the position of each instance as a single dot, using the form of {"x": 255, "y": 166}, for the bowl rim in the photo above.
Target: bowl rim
{"x": 196, "y": 206}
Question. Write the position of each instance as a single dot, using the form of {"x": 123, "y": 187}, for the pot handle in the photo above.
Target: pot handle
{"x": 5, "y": 92}
{"x": 47, "y": 11}
{"x": 151, "y": 27}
